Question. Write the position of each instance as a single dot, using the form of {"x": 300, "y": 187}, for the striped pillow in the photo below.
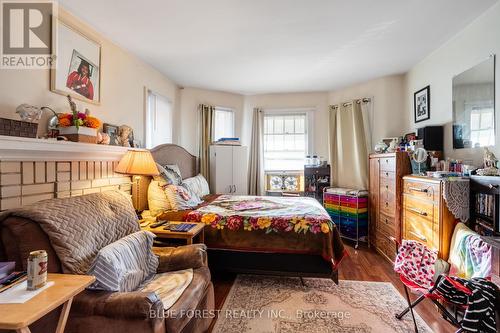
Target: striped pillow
{"x": 126, "y": 264}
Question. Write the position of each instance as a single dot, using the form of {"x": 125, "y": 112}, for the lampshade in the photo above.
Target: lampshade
{"x": 137, "y": 162}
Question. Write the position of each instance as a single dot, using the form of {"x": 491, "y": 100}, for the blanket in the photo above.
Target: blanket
{"x": 79, "y": 227}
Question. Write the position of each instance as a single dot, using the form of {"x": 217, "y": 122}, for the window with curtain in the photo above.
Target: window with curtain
{"x": 159, "y": 120}
{"x": 285, "y": 141}
{"x": 223, "y": 123}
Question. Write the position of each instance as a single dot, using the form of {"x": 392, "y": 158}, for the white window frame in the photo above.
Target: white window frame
{"x": 148, "y": 121}
{"x": 309, "y": 112}
{"x": 224, "y": 109}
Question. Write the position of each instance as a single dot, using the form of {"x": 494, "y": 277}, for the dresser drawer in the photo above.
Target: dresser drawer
{"x": 420, "y": 209}
{"x": 429, "y": 191}
{"x": 385, "y": 246}
{"x": 388, "y": 175}
{"x": 386, "y": 225}
{"x": 388, "y": 206}
{"x": 422, "y": 231}
{"x": 388, "y": 164}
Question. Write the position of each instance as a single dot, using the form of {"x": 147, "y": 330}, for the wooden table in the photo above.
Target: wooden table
{"x": 188, "y": 236}
{"x": 18, "y": 316}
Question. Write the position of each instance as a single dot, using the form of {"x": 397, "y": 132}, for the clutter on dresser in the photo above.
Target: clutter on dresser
{"x": 489, "y": 164}
{"x": 348, "y": 209}
{"x": 228, "y": 142}
{"x": 419, "y": 161}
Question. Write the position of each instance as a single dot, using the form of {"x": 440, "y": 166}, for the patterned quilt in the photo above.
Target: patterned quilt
{"x": 272, "y": 214}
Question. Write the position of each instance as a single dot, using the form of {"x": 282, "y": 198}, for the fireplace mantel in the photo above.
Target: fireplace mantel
{"x": 26, "y": 149}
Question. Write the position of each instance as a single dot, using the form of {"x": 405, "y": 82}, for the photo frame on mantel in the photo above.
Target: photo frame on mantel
{"x": 422, "y": 104}
{"x": 77, "y": 70}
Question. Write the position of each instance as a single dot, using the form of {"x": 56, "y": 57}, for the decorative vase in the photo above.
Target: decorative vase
{"x": 79, "y": 134}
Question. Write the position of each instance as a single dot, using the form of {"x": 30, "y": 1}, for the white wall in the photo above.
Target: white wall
{"x": 123, "y": 79}
{"x": 468, "y": 48}
{"x": 188, "y": 125}
{"x": 387, "y": 95}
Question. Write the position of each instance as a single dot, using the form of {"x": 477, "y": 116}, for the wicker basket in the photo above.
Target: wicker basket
{"x": 12, "y": 127}
{"x": 79, "y": 134}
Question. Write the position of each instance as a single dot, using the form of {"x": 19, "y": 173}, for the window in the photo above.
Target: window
{"x": 223, "y": 123}
{"x": 285, "y": 141}
{"x": 158, "y": 120}
{"x": 482, "y": 125}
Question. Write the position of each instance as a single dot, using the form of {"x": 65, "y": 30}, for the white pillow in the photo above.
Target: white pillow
{"x": 157, "y": 199}
{"x": 198, "y": 185}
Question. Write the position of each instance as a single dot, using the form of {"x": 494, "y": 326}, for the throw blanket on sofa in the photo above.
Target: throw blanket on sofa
{"x": 78, "y": 227}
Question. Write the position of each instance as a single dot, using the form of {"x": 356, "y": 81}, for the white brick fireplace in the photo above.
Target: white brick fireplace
{"x": 35, "y": 169}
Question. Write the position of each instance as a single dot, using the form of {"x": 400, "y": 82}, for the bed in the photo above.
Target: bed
{"x": 263, "y": 235}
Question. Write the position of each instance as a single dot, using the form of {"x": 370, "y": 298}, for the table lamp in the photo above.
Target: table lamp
{"x": 138, "y": 163}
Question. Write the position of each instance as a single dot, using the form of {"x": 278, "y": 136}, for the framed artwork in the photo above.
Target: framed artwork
{"x": 422, "y": 104}
{"x": 112, "y": 131}
{"x": 77, "y": 68}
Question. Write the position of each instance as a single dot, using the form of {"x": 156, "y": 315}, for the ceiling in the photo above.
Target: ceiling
{"x": 270, "y": 46}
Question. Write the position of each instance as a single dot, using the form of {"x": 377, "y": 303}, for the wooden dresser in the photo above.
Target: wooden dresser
{"x": 386, "y": 184}
{"x": 426, "y": 217}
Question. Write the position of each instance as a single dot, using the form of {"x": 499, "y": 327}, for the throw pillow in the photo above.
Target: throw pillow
{"x": 182, "y": 198}
{"x": 169, "y": 173}
{"x": 198, "y": 185}
{"x": 126, "y": 264}
{"x": 157, "y": 199}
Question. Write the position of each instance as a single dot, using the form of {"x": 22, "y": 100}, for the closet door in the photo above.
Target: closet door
{"x": 240, "y": 173}
{"x": 222, "y": 169}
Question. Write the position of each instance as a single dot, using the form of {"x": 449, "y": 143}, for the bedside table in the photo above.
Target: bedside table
{"x": 197, "y": 231}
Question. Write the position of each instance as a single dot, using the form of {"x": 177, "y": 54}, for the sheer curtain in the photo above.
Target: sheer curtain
{"x": 206, "y": 135}
{"x": 255, "y": 163}
{"x": 350, "y": 139}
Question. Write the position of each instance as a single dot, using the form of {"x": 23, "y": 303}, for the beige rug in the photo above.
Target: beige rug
{"x": 261, "y": 304}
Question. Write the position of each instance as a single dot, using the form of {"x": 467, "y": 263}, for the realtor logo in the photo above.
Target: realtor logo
{"x": 26, "y": 34}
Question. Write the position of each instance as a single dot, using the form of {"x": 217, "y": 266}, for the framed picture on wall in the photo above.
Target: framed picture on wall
{"x": 422, "y": 104}
{"x": 77, "y": 70}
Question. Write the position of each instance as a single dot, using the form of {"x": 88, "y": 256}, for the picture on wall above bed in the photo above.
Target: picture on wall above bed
{"x": 422, "y": 104}
{"x": 77, "y": 69}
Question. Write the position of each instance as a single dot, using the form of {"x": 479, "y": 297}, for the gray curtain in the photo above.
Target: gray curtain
{"x": 348, "y": 146}
{"x": 255, "y": 163}
{"x": 206, "y": 135}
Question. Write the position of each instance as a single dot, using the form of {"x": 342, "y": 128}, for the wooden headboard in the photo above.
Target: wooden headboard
{"x": 174, "y": 154}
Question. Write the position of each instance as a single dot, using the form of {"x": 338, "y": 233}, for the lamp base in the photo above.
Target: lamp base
{"x": 139, "y": 192}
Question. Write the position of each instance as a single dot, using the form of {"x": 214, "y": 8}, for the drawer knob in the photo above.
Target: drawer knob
{"x": 387, "y": 174}
{"x": 417, "y": 211}
{"x": 416, "y": 189}
{"x": 387, "y": 186}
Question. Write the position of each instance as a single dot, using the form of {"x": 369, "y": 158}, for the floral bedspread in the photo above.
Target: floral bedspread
{"x": 272, "y": 214}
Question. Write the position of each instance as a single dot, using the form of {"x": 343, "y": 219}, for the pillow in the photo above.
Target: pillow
{"x": 169, "y": 173}
{"x": 181, "y": 198}
{"x": 197, "y": 184}
{"x": 157, "y": 200}
{"x": 126, "y": 264}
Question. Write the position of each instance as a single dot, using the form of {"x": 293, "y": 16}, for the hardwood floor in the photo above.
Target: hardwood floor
{"x": 363, "y": 265}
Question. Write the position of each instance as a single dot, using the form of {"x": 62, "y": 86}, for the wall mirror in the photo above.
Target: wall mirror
{"x": 474, "y": 106}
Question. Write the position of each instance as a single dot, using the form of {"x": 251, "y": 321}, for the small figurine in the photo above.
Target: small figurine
{"x": 29, "y": 113}
{"x": 490, "y": 160}
{"x": 123, "y": 134}
{"x": 393, "y": 146}
{"x": 103, "y": 138}
{"x": 380, "y": 147}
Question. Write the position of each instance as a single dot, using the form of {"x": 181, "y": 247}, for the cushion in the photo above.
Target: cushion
{"x": 181, "y": 198}
{"x": 126, "y": 264}
{"x": 170, "y": 286}
{"x": 198, "y": 185}
{"x": 157, "y": 199}
{"x": 169, "y": 173}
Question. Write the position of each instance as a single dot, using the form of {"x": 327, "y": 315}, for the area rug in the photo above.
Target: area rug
{"x": 261, "y": 304}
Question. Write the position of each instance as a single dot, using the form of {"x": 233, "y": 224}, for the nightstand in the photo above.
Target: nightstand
{"x": 196, "y": 231}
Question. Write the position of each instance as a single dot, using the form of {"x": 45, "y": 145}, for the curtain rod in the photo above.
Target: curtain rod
{"x": 359, "y": 101}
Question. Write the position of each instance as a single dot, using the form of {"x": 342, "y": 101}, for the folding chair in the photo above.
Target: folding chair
{"x": 433, "y": 295}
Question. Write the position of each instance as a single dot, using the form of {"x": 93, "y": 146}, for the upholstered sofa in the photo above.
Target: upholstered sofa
{"x": 33, "y": 228}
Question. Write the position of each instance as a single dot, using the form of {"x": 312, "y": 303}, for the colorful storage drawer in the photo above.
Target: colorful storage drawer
{"x": 349, "y": 213}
